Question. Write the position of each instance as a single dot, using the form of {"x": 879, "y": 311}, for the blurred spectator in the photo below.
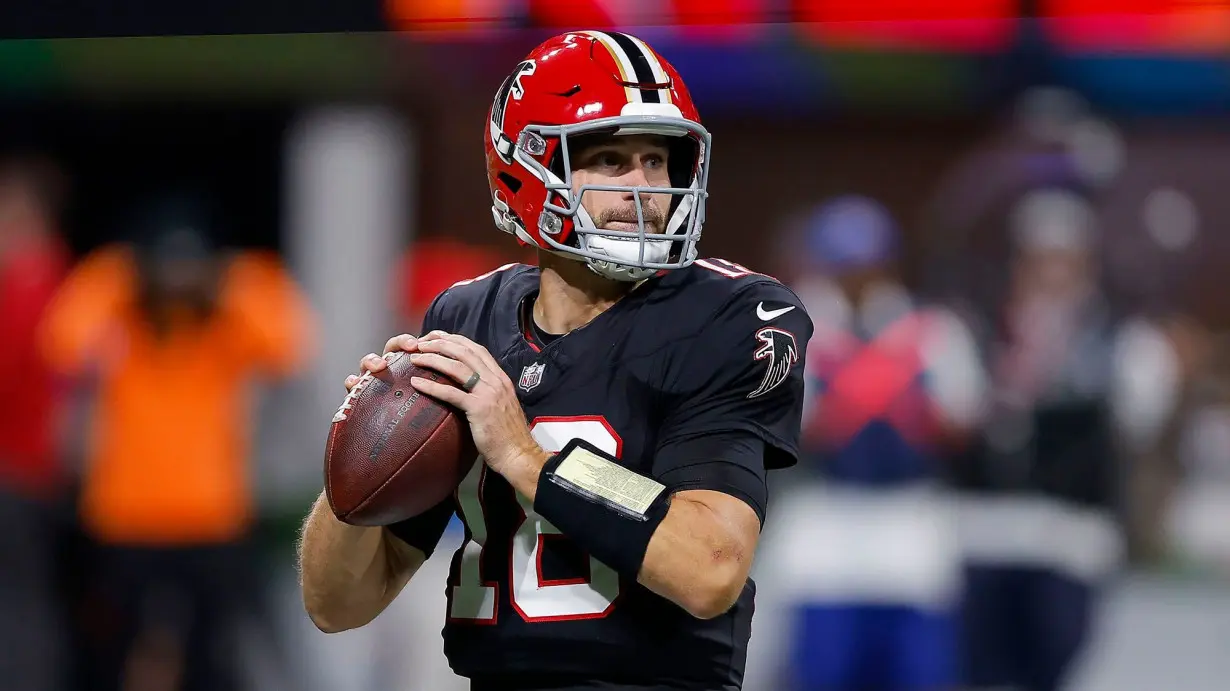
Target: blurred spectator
{"x": 1169, "y": 359}
{"x": 32, "y": 263}
{"x": 1073, "y": 384}
{"x": 172, "y": 331}
{"x": 1184, "y": 493}
{"x": 867, "y": 559}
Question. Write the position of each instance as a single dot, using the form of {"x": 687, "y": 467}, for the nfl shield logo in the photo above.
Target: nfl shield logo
{"x": 531, "y": 376}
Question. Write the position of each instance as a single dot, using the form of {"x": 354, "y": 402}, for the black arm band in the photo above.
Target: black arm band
{"x": 607, "y": 509}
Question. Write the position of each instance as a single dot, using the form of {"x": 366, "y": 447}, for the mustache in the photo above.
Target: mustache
{"x": 652, "y": 215}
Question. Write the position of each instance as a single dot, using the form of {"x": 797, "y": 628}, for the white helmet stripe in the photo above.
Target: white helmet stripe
{"x": 659, "y": 74}
{"x": 626, "y": 69}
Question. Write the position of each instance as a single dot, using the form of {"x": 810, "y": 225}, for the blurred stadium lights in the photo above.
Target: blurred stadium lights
{"x": 955, "y": 23}
{"x": 792, "y": 56}
{"x": 1184, "y": 26}
{"x": 975, "y": 25}
{"x": 471, "y": 15}
{"x": 1171, "y": 218}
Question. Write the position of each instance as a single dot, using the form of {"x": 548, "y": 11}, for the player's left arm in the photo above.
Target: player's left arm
{"x": 689, "y": 532}
{"x": 738, "y": 411}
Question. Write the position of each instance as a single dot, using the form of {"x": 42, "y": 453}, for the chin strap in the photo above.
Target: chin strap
{"x": 618, "y": 272}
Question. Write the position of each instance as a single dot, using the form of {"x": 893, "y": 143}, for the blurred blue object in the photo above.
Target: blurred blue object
{"x": 851, "y": 232}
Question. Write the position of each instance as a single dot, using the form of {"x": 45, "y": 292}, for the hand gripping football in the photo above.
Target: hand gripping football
{"x": 393, "y": 453}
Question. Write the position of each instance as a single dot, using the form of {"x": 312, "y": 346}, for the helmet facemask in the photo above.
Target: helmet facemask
{"x": 620, "y": 254}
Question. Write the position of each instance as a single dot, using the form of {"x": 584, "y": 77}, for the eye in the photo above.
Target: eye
{"x": 607, "y": 159}
{"x": 653, "y": 160}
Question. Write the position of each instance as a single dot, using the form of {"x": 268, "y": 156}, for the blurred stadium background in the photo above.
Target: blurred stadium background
{"x": 183, "y": 216}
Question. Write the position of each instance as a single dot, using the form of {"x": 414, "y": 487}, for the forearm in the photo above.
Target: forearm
{"x": 348, "y": 574}
{"x": 693, "y": 561}
{"x": 693, "y": 557}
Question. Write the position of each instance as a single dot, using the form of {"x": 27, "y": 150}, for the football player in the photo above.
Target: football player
{"x": 627, "y": 399}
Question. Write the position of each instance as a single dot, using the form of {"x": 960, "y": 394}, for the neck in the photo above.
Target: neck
{"x": 570, "y": 295}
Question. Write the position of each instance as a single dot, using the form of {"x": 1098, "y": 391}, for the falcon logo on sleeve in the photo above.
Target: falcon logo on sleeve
{"x": 782, "y": 352}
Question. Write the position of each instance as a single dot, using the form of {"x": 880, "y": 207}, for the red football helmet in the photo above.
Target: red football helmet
{"x": 592, "y": 82}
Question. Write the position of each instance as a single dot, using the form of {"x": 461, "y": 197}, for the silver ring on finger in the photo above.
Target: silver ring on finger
{"x": 470, "y": 383}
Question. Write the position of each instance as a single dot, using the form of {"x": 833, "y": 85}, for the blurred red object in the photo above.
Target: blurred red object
{"x": 448, "y": 15}
{"x": 574, "y": 14}
{"x": 432, "y": 265}
{"x": 959, "y": 25}
{"x": 30, "y": 273}
{"x": 1138, "y": 25}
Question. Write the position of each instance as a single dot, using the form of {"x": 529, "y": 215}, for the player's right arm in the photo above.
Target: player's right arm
{"x": 349, "y": 574}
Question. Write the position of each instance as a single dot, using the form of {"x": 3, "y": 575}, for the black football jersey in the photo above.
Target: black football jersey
{"x": 705, "y": 352}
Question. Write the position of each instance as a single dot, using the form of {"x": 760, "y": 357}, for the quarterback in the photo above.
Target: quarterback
{"x": 627, "y": 399}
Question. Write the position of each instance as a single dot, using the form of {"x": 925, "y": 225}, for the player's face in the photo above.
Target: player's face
{"x": 631, "y": 161}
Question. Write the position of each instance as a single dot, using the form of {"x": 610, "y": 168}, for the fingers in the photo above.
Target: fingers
{"x": 368, "y": 363}
{"x": 372, "y": 363}
{"x": 441, "y": 392}
{"x": 462, "y": 350}
{"x": 404, "y": 342}
{"x": 479, "y": 351}
{"x": 457, "y": 371}
{"x": 375, "y": 363}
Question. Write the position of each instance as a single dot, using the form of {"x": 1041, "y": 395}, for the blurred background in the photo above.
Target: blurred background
{"x": 1007, "y": 218}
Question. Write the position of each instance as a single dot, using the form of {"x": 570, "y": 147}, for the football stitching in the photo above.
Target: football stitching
{"x": 434, "y": 376}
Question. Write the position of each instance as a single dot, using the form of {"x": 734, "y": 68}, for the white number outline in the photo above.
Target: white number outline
{"x": 729, "y": 269}
{"x": 725, "y": 268}
{"x": 473, "y": 600}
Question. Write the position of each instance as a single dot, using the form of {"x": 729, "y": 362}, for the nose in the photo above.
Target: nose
{"x": 635, "y": 177}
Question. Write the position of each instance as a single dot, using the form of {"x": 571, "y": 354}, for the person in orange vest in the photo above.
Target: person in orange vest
{"x": 172, "y": 331}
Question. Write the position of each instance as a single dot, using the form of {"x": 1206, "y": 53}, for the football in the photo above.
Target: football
{"x": 393, "y": 453}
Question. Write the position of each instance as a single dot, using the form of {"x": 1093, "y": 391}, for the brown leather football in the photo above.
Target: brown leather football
{"x": 393, "y": 453}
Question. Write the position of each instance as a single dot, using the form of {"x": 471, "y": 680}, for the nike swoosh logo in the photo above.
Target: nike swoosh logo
{"x": 766, "y": 315}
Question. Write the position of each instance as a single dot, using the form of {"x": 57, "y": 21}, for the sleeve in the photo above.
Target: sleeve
{"x": 423, "y": 532}
{"x": 274, "y": 324}
{"x": 82, "y": 324}
{"x": 737, "y": 396}
{"x": 729, "y": 462}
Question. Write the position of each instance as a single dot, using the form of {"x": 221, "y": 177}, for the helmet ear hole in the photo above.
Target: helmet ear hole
{"x": 512, "y": 183}
{"x": 681, "y": 164}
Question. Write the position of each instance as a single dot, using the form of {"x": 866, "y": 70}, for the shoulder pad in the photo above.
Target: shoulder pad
{"x": 463, "y": 296}
{"x": 490, "y": 283}
{"x": 714, "y": 269}
{"x": 714, "y": 286}
{"x": 722, "y": 281}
